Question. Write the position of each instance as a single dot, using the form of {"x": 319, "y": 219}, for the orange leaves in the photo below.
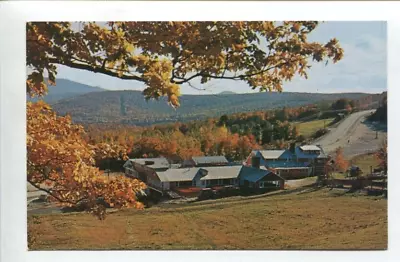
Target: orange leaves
{"x": 164, "y": 55}
{"x": 35, "y": 85}
{"x": 109, "y": 150}
{"x": 158, "y": 75}
{"x": 59, "y": 158}
{"x": 341, "y": 163}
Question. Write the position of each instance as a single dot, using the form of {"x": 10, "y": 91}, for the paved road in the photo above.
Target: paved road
{"x": 354, "y": 135}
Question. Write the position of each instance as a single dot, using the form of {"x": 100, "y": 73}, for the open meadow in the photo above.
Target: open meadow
{"x": 309, "y": 128}
{"x": 307, "y": 219}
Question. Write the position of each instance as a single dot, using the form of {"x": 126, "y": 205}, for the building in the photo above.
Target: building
{"x": 205, "y": 161}
{"x": 265, "y": 157}
{"x": 256, "y": 178}
{"x": 217, "y": 176}
{"x": 157, "y": 164}
{"x": 292, "y": 172}
{"x": 312, "y": 155}
{"x": 146, "y": 170}
{"x": 198, "y": 177}
{"x": 300, "y": 161}
{"x": 176, "y": 178}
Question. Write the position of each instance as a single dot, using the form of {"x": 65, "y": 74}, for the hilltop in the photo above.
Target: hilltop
{"x": 66, "y": 89}
{"x": 90, "y": 104}
{"x": 130, "y": 107}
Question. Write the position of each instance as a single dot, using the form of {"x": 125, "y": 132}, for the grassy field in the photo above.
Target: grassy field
{"x": 364, "y": 162}
{"x": 307, "y": 129}
{"x": 309, "y": 219}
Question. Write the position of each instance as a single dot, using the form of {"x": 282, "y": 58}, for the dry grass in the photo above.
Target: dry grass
{"x": 307, "y": 129}
{"x": 313, "y": 219}
{"x": 339, "y": 175}
{"x": 364, "y": 162}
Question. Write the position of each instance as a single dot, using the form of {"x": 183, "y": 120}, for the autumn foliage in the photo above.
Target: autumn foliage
{"x": 341, "y": 164}
{"x": 61, "y": 163}
{"x": 162, "y": 56}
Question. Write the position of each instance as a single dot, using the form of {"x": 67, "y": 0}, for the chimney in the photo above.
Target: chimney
{"x": 255, "y": 162}
{"x": 203, "y": 172}
{"x": 292, "y": 147}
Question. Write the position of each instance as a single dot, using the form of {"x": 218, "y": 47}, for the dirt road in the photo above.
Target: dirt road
{"x": 355, "y": 136}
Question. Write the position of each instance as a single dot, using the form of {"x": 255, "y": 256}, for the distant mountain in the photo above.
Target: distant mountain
{"x": 130, "y": 107}
{"x": 65, "y": 89}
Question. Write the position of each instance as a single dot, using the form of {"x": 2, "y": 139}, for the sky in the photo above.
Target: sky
{"x": 362, "y": 69}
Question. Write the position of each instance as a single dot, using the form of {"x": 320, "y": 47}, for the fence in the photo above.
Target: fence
{"x": 357, "y": 183}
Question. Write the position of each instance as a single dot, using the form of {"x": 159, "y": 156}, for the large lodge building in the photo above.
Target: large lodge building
{"x": 262, "y": 169}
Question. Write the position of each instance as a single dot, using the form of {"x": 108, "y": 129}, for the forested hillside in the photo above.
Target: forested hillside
{"x": 66, "y": 89}
{"x": 129, "y": 107}
{"x": 380, "y": 114}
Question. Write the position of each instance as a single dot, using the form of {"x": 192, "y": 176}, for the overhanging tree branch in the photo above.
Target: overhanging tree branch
{"x": 56, "y": 197}
{"x": 95, "y": 69}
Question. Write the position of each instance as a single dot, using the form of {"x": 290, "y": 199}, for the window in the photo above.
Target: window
{"x": 266, "y": 184}
{"x": 203, "y": 183}
{"x": 226, "y": 181}
{"x": 185, "y": 183}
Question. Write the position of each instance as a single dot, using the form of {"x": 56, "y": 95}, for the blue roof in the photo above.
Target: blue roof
{"x": 252, "y": 174}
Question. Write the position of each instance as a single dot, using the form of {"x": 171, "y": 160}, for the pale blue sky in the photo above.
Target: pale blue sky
{"x": 363, "y": 68}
